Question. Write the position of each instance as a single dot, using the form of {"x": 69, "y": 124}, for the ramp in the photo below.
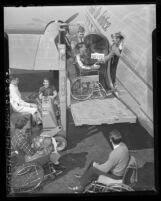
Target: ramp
{"x": 97, "y": 112}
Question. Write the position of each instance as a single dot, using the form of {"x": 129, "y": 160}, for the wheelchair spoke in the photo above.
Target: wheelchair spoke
{"x": 81, "y": 90}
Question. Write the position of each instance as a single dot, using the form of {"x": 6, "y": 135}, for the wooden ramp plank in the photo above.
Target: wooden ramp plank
{"x": 97, "y": 112}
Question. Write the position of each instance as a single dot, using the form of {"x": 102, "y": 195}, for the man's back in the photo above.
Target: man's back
{"x": 119, "y": 157}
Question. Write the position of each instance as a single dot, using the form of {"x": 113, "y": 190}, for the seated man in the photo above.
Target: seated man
{"x": 21, "y": 139}
{"x": 20, "y": 105}
{"x": 83, "y": 58}
{"x": 50, "y": 93}
{"x": 32, "y": 149}
{"x": 114, "y": 167}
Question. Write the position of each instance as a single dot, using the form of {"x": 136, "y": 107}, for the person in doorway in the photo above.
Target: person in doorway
{"x": 19, "y": 105}
{"x": 116, "y": 48}
{"x": 49, "y": 93}
{"x": 78, "y": 38}
{"x": 114, "y": 167}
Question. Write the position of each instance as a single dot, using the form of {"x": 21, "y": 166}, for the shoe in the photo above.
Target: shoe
{"x": 77, "y": 189}
{"x": 59, "y": 167}
{"x": 58, "y": 172}
{"x": 77, "y": 176}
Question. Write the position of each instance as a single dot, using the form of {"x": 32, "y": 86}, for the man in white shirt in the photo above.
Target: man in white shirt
{"x": 19, "y": 105}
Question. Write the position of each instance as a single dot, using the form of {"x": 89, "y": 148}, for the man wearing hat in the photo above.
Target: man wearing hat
{"x": 116, "y": 48}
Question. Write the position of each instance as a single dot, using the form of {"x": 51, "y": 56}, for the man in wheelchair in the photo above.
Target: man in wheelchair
{"x": 32, "y": 148}
{"x": 83, "y": 58}
{"x": 113, "y": 168}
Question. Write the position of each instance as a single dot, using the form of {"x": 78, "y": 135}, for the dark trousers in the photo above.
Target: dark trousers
{"x": 102, "y": 76}
{"x": 92, "y": 173}
{"x": 113, "y": 74}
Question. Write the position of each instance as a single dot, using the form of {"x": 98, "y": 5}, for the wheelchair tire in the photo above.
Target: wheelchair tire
{"x": 101, "y": 188}
{"x": 117, "y": 188}
{"x": 78, "y": 92}
{"x": 61, "y": 141}
{"x": 27, "y": 178}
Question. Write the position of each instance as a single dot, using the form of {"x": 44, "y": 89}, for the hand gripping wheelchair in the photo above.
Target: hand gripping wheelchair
{"x": 106, "y": 184}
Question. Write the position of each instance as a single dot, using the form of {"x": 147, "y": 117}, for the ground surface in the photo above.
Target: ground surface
{"x": 88, "y": 143}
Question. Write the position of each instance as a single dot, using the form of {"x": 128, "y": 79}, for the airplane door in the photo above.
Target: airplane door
{"x": 101, "y": 111}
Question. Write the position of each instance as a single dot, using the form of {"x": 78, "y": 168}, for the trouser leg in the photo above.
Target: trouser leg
{"x": 90, "y": 174}
{"x": 71, "y": 70}
{"x": 113, "y": 74}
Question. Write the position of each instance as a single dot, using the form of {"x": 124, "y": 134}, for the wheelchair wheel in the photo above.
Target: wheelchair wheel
{"x": 81, "y": 90}
{"x": 27, "y": 178}
{"x": 61, "y": 142}
{"x": 117, "y": 188}
{"x": 101, "y": 188}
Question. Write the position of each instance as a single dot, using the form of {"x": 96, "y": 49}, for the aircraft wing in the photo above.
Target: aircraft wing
{"x": 33, "y": 51}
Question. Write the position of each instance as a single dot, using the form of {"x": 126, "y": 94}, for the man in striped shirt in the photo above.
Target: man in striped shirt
{"x": 21, "y": 139}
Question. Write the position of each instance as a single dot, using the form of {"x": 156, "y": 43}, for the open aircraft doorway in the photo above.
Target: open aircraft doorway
{"x": 99, "y": 95}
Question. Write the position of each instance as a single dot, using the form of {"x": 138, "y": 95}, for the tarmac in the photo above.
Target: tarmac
{"x": 88, "y": 143}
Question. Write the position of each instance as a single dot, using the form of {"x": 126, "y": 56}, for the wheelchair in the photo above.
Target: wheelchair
{"x": 106, "y": 184}
{"x": 31, "y": 176}
{"x": 86, "y": 85}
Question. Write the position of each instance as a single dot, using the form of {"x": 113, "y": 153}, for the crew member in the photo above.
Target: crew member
{"x": 79, "y": 37}
{"x": 116, "y": 48}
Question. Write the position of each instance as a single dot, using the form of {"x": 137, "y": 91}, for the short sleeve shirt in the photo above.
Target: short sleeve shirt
{"x": 47, "y": 91}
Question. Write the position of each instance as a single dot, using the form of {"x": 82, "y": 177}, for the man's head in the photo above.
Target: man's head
{"x": 14, "y": 80}
{"x": 115, "y": 137}
{"x": 21, "y": 122}
{"x": 81, "y": 32}
{"x": 46, "y": 82}
{"x": 81, "y": 47}
{"x": 117, "y": 38}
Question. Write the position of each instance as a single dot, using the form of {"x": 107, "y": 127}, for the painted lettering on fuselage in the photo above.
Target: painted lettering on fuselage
{"x": 103, "y": 19}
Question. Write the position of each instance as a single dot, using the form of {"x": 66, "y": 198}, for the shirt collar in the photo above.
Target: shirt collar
{"x": 115, "y": 146}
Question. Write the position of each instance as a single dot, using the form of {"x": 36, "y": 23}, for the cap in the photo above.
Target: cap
{"x": 117, "y": 35}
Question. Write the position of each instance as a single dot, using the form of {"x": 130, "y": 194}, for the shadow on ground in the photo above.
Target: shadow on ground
{"x": 134, "y": 135}
{"x": 145, "y": 178}
{"x": 72, "y": 161}
{"x": 75, "y": 134}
